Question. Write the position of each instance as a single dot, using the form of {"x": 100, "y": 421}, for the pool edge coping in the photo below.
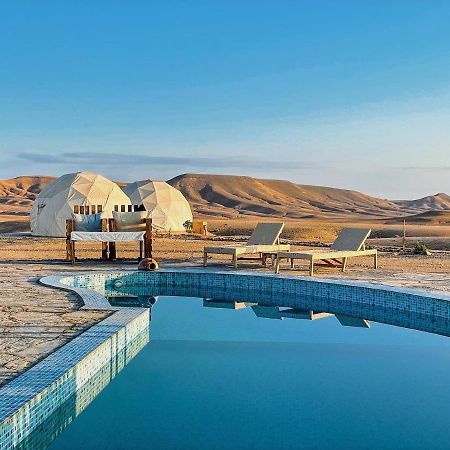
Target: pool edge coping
{"x": 54, "y": 281}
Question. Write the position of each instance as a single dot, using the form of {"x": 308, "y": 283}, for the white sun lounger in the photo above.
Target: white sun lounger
{"x": 265, "y": 241}
{"x": 349, "y": 244}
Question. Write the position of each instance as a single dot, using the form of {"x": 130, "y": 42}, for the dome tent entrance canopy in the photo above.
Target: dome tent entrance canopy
{"x": 166, "y": 206}
{"x": 74, "y": 192}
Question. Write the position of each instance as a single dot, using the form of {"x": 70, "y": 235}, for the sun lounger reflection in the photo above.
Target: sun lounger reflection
{"x": 280, "y": 313}
{"x": 223, "y": 304}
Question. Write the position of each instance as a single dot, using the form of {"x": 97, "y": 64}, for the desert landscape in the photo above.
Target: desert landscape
{"x": 232, "y": 205}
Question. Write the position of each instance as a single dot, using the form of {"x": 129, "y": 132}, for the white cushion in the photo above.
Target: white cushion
{"x": 90, "y": 222}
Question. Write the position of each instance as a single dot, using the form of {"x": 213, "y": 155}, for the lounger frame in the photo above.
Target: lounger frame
{"x": 336, "y": 258}
{"x": 350, "y": 243}
{"x": 264, "y": 252}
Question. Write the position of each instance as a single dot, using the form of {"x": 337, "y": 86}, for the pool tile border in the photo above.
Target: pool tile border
{"x": 353, "y": 291}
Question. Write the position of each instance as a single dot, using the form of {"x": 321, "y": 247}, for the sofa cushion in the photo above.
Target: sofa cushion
{"x": 130, "y": 221}
{"x": 90, "y": 222}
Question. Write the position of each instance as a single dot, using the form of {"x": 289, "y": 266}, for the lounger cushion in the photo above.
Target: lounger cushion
{"x": 90, "y": 222}
{"x": 108, "y": 236}
{"x": 266, "y": 233}
{"x": 130, "y": 221}
{"x": 351, "y": 239}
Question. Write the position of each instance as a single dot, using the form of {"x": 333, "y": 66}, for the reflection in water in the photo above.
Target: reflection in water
{"x": 51, "y": 428}
{"x": 139, "y": 301}
{"x": 211, "y": 303}
{"x": 273, "y": 306}
{"x": 276, "y": 312}
{"x": 347, "y": 321}
{"x": 280, "y": 313}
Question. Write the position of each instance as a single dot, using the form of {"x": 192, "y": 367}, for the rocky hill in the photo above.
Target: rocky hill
{"x": 233, "y": 196}
{"x": 438, "y": 202}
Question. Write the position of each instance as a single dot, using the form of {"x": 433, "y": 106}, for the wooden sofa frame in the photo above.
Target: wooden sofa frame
{"x": 109, "y": 251}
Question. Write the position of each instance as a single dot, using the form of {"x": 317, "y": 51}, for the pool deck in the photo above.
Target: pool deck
{"x": 36, "y": 320}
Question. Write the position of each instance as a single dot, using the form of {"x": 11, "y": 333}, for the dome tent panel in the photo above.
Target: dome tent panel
{"x": 56, "y": 202}
{"x": 76, "y": 197}
{"x": 164, "y": 195}
{"x": 159, "y": 218}
{"x": 167, "y": 206}
{"x": 57, "y": 186}
{"x": 146, "y": 191}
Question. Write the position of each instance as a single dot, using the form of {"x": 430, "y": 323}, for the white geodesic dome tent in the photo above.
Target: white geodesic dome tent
{"x": 166, "y": 205}
{"x": 82, "y": 192}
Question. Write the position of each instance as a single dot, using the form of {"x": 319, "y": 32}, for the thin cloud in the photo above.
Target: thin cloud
{"x": 425, "y": 168}
{"x": 127, "y": 160}
{"x": 39, "y": 158}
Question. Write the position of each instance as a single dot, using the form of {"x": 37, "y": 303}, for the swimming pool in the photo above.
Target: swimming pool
{"x": 232, "y": 367}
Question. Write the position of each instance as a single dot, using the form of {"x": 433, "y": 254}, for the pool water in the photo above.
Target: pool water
{"x": 220, "y": 374}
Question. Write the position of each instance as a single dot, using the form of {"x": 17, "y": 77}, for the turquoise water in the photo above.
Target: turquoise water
{"x": 214, "y": 377}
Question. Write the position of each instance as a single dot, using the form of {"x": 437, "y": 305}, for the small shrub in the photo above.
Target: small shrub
{"x": 188, "y": 226}
{"x": 421, "y": 249}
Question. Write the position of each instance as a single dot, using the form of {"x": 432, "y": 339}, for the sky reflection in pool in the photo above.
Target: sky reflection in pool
{"x": 222, "y": 378}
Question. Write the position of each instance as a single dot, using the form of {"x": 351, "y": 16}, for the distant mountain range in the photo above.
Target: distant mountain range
{"x": 229, "y": 196}
{"x": 233, "y": 196}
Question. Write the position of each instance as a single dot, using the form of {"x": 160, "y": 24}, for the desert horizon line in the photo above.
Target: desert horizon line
{"x": 431, "y": 195}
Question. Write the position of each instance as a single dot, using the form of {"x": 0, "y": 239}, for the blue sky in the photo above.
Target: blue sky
{"x": 347, "y": 94}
